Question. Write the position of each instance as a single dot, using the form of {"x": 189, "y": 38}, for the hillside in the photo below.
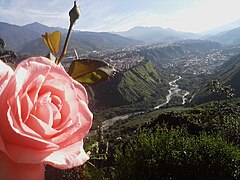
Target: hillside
{"x": 15, "y": 36}
{"x": 228, "y": 74}
{"x": 138, "y": 84}
{"x": 231, "y": 37}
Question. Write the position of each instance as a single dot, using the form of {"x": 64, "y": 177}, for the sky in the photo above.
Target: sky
{"x": 121, "y": 15}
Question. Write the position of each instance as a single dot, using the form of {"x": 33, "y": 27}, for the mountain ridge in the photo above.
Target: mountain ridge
{"x": 223, "y": 28}
{"x": 27, "y": 38}
{"x": 231, "y": 37}
{"x": 156, "y": 34}
{"x": 41, "y": 28}
{"x": 15, "y": 36}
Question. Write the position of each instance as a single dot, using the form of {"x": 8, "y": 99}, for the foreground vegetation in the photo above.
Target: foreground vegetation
{"x": 194, "y": 143}
{"x": 175, "y": 154}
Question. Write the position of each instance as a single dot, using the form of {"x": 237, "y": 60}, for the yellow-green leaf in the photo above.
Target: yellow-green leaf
{"x": 52, "y": 41}
{"x": 90, "y": 71}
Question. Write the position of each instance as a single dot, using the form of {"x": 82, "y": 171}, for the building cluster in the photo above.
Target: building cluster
{"x": 195, "y": 63}
{"x": 198, "y": 64}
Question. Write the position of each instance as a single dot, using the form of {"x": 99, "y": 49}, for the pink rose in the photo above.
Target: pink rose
{"x": 44, "y": 116}
{"x": 5, "y": 73}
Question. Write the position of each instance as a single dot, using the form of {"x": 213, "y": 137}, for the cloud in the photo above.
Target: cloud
{"x": 211, "y": 14}
{"x": 108, "y": 15}
{"x": 54, "y": 12}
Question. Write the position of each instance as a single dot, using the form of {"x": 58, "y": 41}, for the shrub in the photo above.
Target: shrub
{"x": 230, "y": 130}
{"x": 175, "y": 154}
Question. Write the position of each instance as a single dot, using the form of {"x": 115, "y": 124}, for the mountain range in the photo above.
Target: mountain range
{"x": 156, "y": 34}
{"x": 231, "y": 37}
{"x": 221, "y": 29}
{"x": 27, "y": 38}
{"x": 228, "y": 34}
{"x": 16, "y": 36}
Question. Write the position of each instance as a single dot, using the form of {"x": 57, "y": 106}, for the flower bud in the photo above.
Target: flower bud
{"x": 74, "y": 13}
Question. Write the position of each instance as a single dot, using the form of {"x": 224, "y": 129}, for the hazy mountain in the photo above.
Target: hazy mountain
{"x": 223, "y": 28}
{"x": 231, "y": 37}
{"x": 82, "y": 42}
{"x": 41, "y": 29}
{"x": 156, "y": 34}
{"x": 15, "y": 36}
{"x": 27, "y": 39}
{"x": 101, "y": 40}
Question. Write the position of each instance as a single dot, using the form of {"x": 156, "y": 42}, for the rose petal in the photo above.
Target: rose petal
{"x": 5, "y": 69}
{"x": 41, "y": 127}
{"x": 24, "y": 154}
{"x": 81, "y": 91}
{"x": 44, "y": 113}
{"x": 68, "y": 157}
{"x": 10, "y": 170}
{"x": 26, "y": 107}
{"x": 56, "y": 115}
{"x": 57, "y": 102}
{"x": 34, "y": 87}
{"x": 5, "y": 74}
{"x": 82, "y": 125}
{"x": 23, "y": 147}
{"x": 2, "y": 145}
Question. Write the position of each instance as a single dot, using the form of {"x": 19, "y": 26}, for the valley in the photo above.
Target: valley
{"x": 190, "y": 62}
{"x": 160, "y": 94}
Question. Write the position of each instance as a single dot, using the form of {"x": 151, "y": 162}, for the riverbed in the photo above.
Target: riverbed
{"x": 174, "y": 91}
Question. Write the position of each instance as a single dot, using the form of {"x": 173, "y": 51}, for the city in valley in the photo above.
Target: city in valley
{"x": 193, "y": 61}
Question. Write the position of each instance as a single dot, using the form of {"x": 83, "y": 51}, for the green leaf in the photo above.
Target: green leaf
{"x": 90, "y": 71}
{"x": 52, "y": 41}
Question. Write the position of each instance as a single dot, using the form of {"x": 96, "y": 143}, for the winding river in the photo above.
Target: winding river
{"x": 173, "y": 91}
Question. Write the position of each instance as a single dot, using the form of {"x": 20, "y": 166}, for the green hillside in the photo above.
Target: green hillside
{"x": 138, "y": 84}
{"x": 228, "y": 74}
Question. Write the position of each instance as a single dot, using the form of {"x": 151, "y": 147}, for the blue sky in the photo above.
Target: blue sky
{"x": 120, "y": 15}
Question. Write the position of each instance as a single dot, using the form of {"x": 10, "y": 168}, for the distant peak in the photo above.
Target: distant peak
{"x": 147, "y": 28}
{"x": 35, "y": 22}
